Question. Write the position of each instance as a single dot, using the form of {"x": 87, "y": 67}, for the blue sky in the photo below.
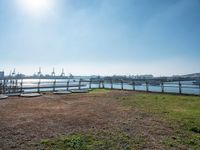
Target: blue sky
{"x": 160, "y": 37}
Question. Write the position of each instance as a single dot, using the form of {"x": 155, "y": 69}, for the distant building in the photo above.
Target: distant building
{"x": 1, "y": 74}
{"x": 19, "y": 75}
{"x": 144, "y": 77}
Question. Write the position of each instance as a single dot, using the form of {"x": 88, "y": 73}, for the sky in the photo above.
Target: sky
{"x": 100, "y": 37}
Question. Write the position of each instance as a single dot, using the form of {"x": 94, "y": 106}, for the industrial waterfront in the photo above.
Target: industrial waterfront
{"x": 16, "y": 84}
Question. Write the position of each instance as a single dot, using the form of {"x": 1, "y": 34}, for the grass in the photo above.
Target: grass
{"x": 184, "y": 111}
{"x": 95, "y": 91}
{"x": 91, "y": 141}
{"x": 180, "y": 112}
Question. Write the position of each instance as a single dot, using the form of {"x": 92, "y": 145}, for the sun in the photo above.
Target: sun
{"x": 35, "y": 8}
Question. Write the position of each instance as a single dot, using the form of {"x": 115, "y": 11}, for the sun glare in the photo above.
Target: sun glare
{"x": 35, "y": 7}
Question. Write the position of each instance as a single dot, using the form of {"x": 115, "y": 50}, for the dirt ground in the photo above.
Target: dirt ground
{"x": 24, "y": 122}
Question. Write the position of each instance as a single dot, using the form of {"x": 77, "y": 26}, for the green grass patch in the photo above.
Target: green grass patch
{"x": 91, "y": 141}
{"x": 181, "y": 110}
{"x": 94, "y": 91}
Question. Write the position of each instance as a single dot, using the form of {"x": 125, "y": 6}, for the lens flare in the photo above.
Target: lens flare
{"x": 36, "y": 7}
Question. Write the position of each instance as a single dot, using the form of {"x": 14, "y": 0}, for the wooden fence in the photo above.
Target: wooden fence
{"x": 11, "y": 86}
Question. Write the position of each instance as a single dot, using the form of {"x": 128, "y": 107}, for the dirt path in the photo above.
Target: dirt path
{"x": 24, "y": 121}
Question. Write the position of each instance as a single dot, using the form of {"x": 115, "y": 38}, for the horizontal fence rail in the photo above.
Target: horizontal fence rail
{"x": 10, "y": 86}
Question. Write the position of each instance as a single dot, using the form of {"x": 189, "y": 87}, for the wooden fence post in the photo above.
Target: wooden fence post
{"x": 99, "y": 84}
{"x": 21, "y": 86}
{"x": 12, "y": 85}
{"x": 79, "y": 86}
{"x": 162, "y": 87}
{"x": 1, "y": 85}
{"x": 122, "y": 84}
{"x": 67, "y": 85}
{"x": 180, "y": 88}
{"x": 54, "y": 85}
{"x": 199, "y": 88}
{"x": 9, "y": 88}
{"x": 147, "y": 86}
{"x": 39, "y": 86}
{"x": 133, "y": 83}
{"x": 4, "y": 86}
{"x": 103, "y": 84}
{"x": 90, "y": 84}
{"x": 16, "y": 84}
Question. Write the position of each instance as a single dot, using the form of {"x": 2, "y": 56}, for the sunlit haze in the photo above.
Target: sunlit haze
{"x": 35, "y": 8}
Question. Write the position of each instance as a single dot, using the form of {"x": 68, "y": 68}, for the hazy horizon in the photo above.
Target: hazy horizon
{"x": 58, "y": 71}
{"x": 100, "y": 37}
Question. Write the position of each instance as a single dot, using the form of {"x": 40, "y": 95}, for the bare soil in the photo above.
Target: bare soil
{"x": 24, "y": 122}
